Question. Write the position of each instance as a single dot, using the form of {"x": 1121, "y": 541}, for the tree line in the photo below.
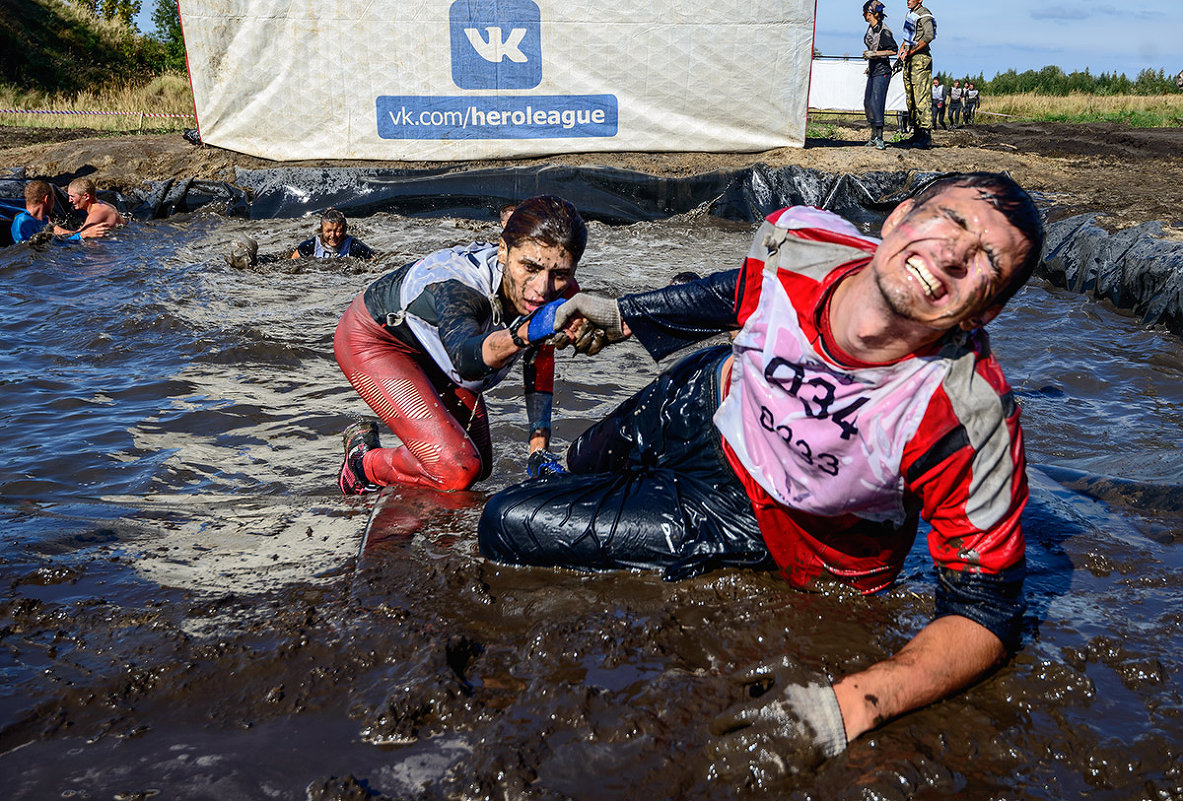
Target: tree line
{"x": 169, "y": 55}
{"x": 1053, "y": 81}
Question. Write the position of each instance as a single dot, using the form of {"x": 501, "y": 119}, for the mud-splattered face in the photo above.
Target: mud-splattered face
{"x": 535, "y": 273}
{"x": 942, "y": 264}
{"x": 332, "y": 234}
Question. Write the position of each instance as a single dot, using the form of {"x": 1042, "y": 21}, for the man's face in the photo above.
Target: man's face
{"x": 913, "y": 4}
{"x": 535, "y": 273}
{"x": 942, "y": 264}
{"x": 332, "y": 234}
{"x": 79, "y": 200}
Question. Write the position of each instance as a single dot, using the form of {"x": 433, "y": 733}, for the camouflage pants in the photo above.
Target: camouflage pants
{"x": 918, "y": 90}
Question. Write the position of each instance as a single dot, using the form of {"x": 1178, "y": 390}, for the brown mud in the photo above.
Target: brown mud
{"x": 1131, "y": 175}
{"x": 237, "y": 643}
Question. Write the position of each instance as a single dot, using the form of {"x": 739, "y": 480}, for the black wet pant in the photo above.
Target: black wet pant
{"x": 649, "y": 487}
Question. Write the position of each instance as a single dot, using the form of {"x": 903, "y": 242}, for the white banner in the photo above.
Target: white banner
{"x": 838, "y": 84}
{"x": 471, "y": 79}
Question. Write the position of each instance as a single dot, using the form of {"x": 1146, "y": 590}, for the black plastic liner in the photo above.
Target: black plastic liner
{"x": 1135, "y": 269}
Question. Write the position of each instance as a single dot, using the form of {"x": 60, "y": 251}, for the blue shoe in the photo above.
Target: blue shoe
{"x": 359, "y": 438}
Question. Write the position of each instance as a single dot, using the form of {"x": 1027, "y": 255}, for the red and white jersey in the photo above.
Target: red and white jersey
{"x": 841, "y": 457}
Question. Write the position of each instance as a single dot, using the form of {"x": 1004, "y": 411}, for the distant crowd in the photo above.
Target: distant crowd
{"x": 930, "y": 103}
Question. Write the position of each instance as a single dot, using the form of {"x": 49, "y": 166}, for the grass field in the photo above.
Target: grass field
{"x": 1140, "y": 111}
{"x": 124, "y": 108}
{"x": 171, "y": 94}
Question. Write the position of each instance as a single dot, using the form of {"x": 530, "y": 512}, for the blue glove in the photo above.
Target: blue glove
{"x": 542, "y": 321}
{"x": 545, "y": 463}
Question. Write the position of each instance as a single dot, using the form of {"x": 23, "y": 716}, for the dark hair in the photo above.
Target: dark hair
{"x": 1001, "y": 192}
{"x": 37, "y": 189}
{"x": 550, "y": 220}
{"x": 332, "y": 216}
{"x": 874, "y": 7}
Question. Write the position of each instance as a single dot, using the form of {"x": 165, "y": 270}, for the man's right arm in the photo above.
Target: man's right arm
{"x": 671, "y": 318}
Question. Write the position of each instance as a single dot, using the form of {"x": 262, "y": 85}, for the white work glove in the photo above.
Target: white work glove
{"x": 601, "y": 322}
{"x": 789, "y": 721}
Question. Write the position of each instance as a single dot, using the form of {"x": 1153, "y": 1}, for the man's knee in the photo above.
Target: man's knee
{"x": 503, "y": 530}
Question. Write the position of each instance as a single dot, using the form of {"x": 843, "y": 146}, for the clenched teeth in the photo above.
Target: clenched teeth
{"x": 932, "y": 287}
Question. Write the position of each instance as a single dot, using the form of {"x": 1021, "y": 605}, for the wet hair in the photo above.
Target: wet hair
{"x": 36, "y": 190}
{"x": 685, "y": 277}
{"x": 874, "y": 7}
{"x": 1003, "y": 193}
{"x": 549, "y": 220}
{"x": 332, "y": 217}
{"x": 81, "y": 186}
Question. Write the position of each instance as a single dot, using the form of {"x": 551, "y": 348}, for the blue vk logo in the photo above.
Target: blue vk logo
{"x": 496, "y": 44}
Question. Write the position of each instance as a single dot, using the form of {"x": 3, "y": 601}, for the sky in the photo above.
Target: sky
{"x": 992, "y": 36}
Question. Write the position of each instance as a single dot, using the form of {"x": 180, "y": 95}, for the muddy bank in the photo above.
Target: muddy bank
{"x": 1129, "y": 175}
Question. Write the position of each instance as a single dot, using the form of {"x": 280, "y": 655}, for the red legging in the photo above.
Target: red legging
{"x": 444, "y": 428}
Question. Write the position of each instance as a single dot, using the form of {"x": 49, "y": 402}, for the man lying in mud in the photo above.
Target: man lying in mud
{"x": 859, "y": 395}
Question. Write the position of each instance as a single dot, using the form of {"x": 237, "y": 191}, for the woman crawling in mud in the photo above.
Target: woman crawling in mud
{"x": 422, "y": 343}
{"x": 859, "y": 395}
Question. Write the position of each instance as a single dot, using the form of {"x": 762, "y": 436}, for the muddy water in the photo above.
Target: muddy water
{"x": 187, "y": 611}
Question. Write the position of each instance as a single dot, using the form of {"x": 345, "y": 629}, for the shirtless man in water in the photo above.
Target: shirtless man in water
{"x": 101, "y": 217}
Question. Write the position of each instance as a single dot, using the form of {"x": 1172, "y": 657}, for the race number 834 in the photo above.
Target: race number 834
{"x": 817, "y": 396}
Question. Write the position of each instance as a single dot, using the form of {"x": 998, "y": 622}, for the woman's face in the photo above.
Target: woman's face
{"x": 534, "y": 273}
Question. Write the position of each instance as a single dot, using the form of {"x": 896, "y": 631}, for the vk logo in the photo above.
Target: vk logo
{"x": 496, "y": 44}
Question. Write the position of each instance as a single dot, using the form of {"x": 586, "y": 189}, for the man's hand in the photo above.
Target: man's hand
{"x": 600, "y": 324}
{"x": 789, "y": 721}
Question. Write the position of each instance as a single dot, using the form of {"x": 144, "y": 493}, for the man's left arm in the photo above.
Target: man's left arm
{"x": 948, "y": 654}
{"x": 971, "y": 481}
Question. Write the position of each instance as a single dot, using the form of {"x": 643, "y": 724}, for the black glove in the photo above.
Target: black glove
{"x": 789, "y": 721}
{"x": 603, "y": 323}
{"x": 545, "y": 463}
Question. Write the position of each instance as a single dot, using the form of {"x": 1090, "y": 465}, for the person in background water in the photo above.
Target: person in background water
{"x": 955, "y": 104}
{"x": 859, "y": 396}
{"x": 972, "y": 98}
{"x": 333, "y": 241}
{"x": 920, "y": 29}
{"x": 101, "y": 216}
{"x": 38, "y": 206}
{"x": 422, "y": 343}
{"x": 938, "y": 103}
{"x": 880, "y": 46}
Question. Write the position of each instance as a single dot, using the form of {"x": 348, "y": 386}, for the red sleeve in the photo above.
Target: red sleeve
{"x": 967, "y": 466}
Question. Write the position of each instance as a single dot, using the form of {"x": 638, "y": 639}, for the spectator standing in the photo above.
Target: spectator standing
{"x": 880, "y": 45}
{"x": 956, "y": 93}
{"x": 920, "y": 29}
{"x": 971, "y": 103}
{"x": 938, "y": 103}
